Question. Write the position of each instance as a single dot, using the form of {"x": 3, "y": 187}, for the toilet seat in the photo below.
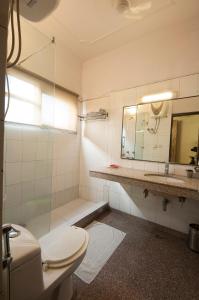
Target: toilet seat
{"x": 62, "y": 246}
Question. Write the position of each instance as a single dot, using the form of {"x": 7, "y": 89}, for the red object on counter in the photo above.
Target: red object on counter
{"x": 114, "y": 166}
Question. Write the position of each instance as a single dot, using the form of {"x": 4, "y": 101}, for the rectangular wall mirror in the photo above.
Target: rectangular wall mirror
{"x": 165, "y": 131}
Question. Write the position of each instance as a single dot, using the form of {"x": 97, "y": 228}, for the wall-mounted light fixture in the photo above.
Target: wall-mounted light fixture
{"x": 131, "y": 110}
{"x": 159, "y": 97}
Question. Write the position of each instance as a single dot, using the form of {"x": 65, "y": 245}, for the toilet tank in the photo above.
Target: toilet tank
{"x": 26, "y": 277}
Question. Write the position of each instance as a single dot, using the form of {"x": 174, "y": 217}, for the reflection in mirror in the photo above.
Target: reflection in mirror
{"x": 165, "y": 131}
{"x": 153, "y": 131}
{"x": 128, "y": 132}
{"x": 184, "y": 147}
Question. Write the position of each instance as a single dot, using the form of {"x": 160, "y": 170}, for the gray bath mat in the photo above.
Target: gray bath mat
{"x": 103, "y": 241}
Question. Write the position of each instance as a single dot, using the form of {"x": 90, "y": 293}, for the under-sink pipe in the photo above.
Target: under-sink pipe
{"x": 165, "y": 203}
{"x": 146, "y": 193}
{"x": 182, "y": 200}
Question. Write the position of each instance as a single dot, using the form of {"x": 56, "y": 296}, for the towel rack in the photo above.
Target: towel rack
{"x": 102, "y": 114}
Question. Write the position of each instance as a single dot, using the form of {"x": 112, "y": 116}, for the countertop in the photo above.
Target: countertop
{"x": 188, "y": 188}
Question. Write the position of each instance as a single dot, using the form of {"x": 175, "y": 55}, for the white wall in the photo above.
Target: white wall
{"x": 163, "y": 54}
{"x": 101, "y": 145}
{"x": 68, "y": 68}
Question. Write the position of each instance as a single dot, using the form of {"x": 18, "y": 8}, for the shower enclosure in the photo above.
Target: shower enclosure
{"x": 28, "y": 139}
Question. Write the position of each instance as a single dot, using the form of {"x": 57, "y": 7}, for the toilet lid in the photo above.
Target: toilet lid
{"x": 60, "y": 245}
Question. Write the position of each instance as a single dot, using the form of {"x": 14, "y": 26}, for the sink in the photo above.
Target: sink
{"x": 169, "y": 178}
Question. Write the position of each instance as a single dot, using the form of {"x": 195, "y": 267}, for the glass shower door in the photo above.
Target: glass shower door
{"x": 28, "y": 144}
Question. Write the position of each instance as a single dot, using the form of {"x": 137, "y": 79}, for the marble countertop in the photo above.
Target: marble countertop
{"x": 182, "y": 187}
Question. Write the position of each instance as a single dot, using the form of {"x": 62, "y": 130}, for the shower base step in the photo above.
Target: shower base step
{"x": 77, "y": 212}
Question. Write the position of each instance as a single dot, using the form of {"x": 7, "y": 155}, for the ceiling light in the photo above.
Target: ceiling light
{"x": 158, "y": 97}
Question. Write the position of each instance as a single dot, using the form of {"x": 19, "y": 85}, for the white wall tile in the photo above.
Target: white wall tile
{"x": 12, "y": 173}
{"x": 28, "y": 171}
{"x": 114, "y": 200}
{"x": 124, "y": 204}
{"x": 13, "y": 131}
{"x": 59, "y": 183}
{"x": 43, "y": 169}
{"x": 43, "y": 135}
{"x": 13, "y": 195}
{"x": 28, "y": 191}
{"x": 189, "y": 85}
{"x": 29, "y": 133}
{"x": 28, "y": 150}
{"x": 13, "y": 151}
{"x": 41, "y": 151}
{"x": 43, "y": 187}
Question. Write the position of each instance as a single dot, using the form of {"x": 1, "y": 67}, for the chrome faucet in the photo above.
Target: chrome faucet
{"x": 166, "y": 169}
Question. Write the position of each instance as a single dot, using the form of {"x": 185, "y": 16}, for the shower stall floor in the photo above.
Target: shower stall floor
{"x": 78, "y": 212}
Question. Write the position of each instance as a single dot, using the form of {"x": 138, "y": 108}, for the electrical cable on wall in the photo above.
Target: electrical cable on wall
{"x": 12, "y": 64}
{"x": 11, "y": 17}
{"x": 10, "y": 56}
{"x": 13, "y": 45}
{"x": 8, "y": 88}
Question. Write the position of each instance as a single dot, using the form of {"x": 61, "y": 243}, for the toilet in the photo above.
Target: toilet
{"x": 42, "y": 269}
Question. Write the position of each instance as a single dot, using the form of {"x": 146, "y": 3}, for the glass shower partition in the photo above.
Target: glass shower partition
{"x": 28, "y": 141}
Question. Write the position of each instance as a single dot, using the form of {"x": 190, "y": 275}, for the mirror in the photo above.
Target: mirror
{"x": 162, "y": 131}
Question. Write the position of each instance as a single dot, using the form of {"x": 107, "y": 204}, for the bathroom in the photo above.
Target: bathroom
{"x": 100, "y": 149}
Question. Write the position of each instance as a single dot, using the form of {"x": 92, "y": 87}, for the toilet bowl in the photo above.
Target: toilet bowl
{"x": 42, "y": 270}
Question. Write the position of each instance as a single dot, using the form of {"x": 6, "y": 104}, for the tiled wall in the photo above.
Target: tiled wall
{"x": 100, "y": 146}
{"x": 41, "y": 172}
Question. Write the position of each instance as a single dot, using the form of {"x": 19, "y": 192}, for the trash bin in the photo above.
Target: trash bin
{"x": 193, "y": 238}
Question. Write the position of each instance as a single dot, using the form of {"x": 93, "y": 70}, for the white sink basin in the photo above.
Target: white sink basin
{"x": 168, "y": 178}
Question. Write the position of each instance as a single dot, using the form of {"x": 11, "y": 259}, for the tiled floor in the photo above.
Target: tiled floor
{"x": 152, "y": 263}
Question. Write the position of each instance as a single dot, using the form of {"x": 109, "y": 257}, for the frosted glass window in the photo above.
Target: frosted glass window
{"x": 23, "y": 112}
{"x": 20, "y": 88}
{"x": 48, "y": 104}
{"x": 65, "y": 111}
{"x": 25, "y": 99}
{"x": 33, "y": 102}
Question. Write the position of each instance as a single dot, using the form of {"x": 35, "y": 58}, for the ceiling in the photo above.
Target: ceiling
{"x": 92, "y": 27}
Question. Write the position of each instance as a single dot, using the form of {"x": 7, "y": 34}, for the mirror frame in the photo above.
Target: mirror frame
{"x": 155, "y": 161}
